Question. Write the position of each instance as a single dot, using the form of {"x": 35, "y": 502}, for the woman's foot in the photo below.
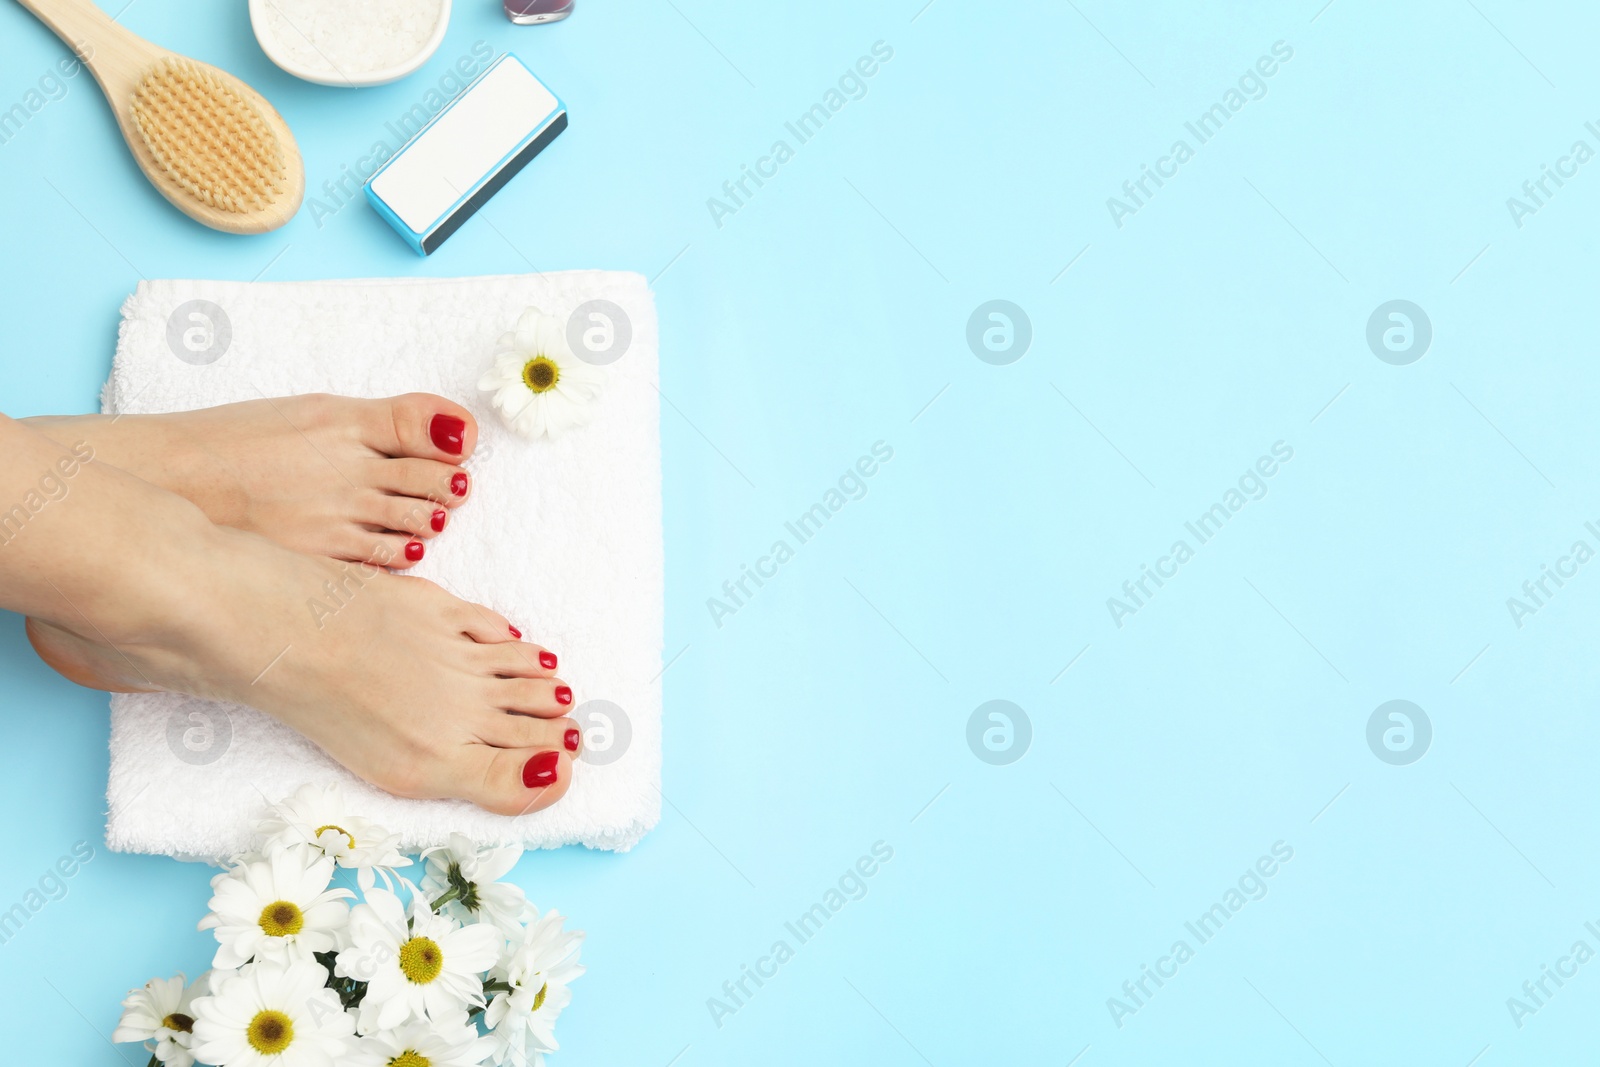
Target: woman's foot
{"x": 130, "y": 587}
{"x": 412, "y": 689}
{"x": 356, "y": 480}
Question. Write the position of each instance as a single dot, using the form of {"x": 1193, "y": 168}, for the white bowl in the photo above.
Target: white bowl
{"x": 260, "y": 22}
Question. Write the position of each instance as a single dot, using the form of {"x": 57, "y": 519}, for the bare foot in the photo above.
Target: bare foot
{"x": 412, "y": 689}
{"x": 130, "y": 587}
{"x": 357, "y": 480}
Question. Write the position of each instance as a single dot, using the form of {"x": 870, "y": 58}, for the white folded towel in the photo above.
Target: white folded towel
{"x": 563, "y": 537}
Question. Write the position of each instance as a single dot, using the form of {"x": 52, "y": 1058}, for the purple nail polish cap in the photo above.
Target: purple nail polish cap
{"x": 532, "y": 12}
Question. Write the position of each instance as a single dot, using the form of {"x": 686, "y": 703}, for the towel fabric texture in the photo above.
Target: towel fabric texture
{"x": 563, "y": 537}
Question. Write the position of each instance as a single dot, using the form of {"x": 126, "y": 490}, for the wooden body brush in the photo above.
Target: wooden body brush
{"x": 206, "y": 140}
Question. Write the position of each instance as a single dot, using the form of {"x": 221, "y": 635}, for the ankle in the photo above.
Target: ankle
{"x": 157, "y": 593}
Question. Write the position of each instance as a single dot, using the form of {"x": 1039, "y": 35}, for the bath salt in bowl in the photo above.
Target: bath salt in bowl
{"x": 349, "y": 42}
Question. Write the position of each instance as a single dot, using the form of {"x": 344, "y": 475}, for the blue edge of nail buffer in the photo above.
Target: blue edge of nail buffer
{"x": 428, "y": 240}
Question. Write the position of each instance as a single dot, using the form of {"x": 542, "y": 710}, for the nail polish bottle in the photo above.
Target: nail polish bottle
{"x": 533, "y": 12}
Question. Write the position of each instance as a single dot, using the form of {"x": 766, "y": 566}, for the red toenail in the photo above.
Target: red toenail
{"x": 437, "y": 521}
{"x": 547, "y": 660}
{"x": 515, "y": 632}
{"x": 458, "y": 483}
{"x": 570, "y": 739}
{"x": 563, "y": 694}
{"x": 540, "y": 770}
{"x": 447, "y": 431}
{"x": 413, "y": 550}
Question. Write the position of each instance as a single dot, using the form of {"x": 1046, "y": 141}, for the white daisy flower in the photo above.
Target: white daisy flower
{"x": 318, "y": 817}
{"x": 540, "y": 388}
{"x": 277, "y": 908}
{"x": 431, "y": 968}
{"x": 161, "y": 1015}
{"x": 523, "y": 1031}
{"x": 538, "y": 968}
{"x": 418, "y": 1044}
{"x": 274, "y": 1014}
{"x": 469, "y": 877}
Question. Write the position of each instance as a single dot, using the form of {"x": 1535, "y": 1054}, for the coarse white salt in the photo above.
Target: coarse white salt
{"x": 349, "y": 38}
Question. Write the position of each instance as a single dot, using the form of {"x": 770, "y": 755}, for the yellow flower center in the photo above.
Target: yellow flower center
{"x": 420, "y": 960}
{"x": 180, "y": 1022}
{"x": 270, "y": 1032}
{"x": 280, "y": 919}
{"x": 348, "y": 836}
{"x": 541, "y": 374}
{"x": 411, "y": 1058}
{"x": 538, "y": 998}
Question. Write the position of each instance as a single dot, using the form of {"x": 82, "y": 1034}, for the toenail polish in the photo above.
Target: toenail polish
{"x": 540, "y": 770}
{"x": 563, "y": 694}
{"x": 437, "y": 521}
{"x": 447, "y": 432}
{"x": 547, "y": 660}
{"x": 458, "y": 483}
{"x": 515, "y": 632}
{"x": 413, "y": 550}
{"x": 570, "y": 739}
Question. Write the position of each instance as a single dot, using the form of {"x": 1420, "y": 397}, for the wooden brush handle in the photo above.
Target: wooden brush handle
{"x": 114, "y": 54}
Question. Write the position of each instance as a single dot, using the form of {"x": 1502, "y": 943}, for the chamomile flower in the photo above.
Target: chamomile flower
{"x": 469, "y": 877}
{"x": 274, "y": 1014}
{"x": 538, "y": 967}
{"x": 418, "y": 1044}
{"x": 317, "y": 816}
{"x": 161, "y": 1015}
{"x": 276, "y": 908}
{"x": 540, "y": 388}
{"x": 523, "y": 1028}
{"x": 431, "y": 968}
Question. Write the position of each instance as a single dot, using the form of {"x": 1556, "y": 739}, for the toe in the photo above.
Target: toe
{"x": 487, "y": 627}
{"x": 522, "y": 659}
{"x": 516, "y": 781}
{"x": 502, "y": 730}
{"x": 544, "y": 697}
{"x": 410, "y": 515}
{"x": 423, "y": 425}
{"x": 380, "y": 548}
{"x": 423, "y": 479}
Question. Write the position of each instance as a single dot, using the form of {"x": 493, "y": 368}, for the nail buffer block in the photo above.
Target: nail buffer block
{"x": 466, "y": 153}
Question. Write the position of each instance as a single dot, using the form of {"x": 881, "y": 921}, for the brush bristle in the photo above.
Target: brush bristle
{"x": 208, "y": 138}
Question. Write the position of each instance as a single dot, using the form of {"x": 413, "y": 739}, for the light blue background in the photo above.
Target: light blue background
{"x": 830, "y": 713}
